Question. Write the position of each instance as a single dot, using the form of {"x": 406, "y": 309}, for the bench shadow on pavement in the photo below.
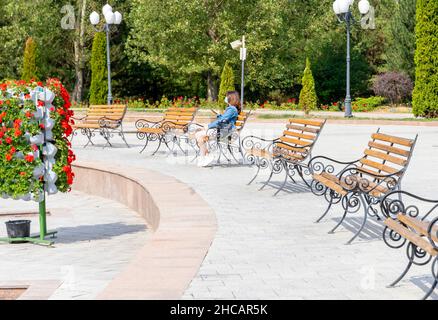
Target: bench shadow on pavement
{"x": 424, "y": 283}
{"x": 289, "y": 188}
{"x": 372, "y": 231}
{"x": 96, "y": 232}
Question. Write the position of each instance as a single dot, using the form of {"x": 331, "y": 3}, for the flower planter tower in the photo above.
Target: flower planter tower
{"x": 35, "y": 154}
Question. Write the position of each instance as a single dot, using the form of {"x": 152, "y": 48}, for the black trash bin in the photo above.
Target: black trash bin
{"x": 18, "y": 229}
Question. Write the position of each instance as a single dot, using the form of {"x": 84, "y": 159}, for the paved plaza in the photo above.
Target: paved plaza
{"x": 96, "y": 239}
{"x": 265, "y": 247}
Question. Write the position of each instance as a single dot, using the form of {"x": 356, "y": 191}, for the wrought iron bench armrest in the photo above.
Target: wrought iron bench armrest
{"x": 317, "y": 165}
{"x": 105, "y": 122}
{"x": 392, "y": 205}
{"x": 249, "y": 143}
{"x": 144, "y": 123}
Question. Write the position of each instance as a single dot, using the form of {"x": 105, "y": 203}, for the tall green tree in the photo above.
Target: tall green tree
{"x": 400, "y": 44}
{"x": 29, "y": 64}
{"x": 425, "y": 94}
{"x": 193, "y": 38}
{"x": 227, "y": 83}
{"x": 99, "y": 73}
{"x": 308, "y": 98}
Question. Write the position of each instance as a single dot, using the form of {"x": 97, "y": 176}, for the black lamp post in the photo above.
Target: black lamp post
{"x": 343, "y": 13}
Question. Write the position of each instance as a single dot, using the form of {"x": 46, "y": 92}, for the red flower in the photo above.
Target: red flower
{"x": 22, "y": 173}
{"x": 17, "y": 133}
{"x": 28, "y": 114}
{"x": 41, "y": 103}
{"x": 8, "y": 140}
{"x": 34, "y": 147}
{"x": 29, "y": 158}
{"x": 8, "y": 157}
{"x": 42, "y": 126}
{"x": 17, "y": 123}
{"x": 2, "y": 134}
{"x": 12, "y": 150}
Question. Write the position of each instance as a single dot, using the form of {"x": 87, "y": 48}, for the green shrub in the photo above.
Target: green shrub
{"x": 308, "y": 99}
{"x": 367, "y": 104}
{"x": 29, "y": 64}
{"x": 99, "y": 73}
{"x": 425, "y": 94}
{"x": 227, "y": 84}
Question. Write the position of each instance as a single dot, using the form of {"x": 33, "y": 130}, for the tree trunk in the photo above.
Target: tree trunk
{"x": 211, "y": 87}
{"x": 79, "y": 47}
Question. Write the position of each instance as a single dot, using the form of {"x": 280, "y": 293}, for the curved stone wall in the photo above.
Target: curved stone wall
{"x": 183, "y": 224}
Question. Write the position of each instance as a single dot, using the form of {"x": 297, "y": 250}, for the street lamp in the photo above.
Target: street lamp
{"x": 343, "y": 13}
{"x": 111, "y": 18}
{"x": 240, "y": 45}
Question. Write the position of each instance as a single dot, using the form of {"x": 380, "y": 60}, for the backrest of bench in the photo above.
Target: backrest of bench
{"x": 241, "y": 120}
{"x": 387, "y": 155}
{"x": 113, "y": 112}
{"x": 180, "y": 116}
{"x": 300, "y": 135}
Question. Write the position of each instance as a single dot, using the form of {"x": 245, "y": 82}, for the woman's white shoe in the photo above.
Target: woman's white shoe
{"x": 208, "y": 160}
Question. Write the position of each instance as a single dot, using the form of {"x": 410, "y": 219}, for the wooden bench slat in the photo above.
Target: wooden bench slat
{"x": 411, "y": 236}
{"x": 384, "y": 156}
{"x": 329, "y": 184}
{"x": 302, "y": 128}
{"x": 390, "y": 149}
{"x": 174, "y": 109}
{"x": 291, "y": 148}
{"x": 299, "y": 135}
{"x": 392, "y": 139}
{"x": 418, "y": 225}
{"x": 295, "y": 141}
{"x": 314, "y": 123}
{"x": 373, "y": 188}
{"x": 379, "y": 166}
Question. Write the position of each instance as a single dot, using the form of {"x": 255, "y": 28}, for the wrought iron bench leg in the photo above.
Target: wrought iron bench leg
{"x": 411, "y": 257}
{"x": 286, "y": 175}
{"x": 267, "y": 181}
{"x": 300, "y": 173}
{"x": 230, "y": 150}
{"x": 107, "y": 136}
{"x": 366, "y": 208}
{"x": 122, "y": 135}
{"x": 89, "y": 134}
{"x": 160, "y": 140}
{"x": 326, "y": 211}
{"x": 257, "y": 163}
{"x": 340, "y": 221}
{"x": 146, "y": 143}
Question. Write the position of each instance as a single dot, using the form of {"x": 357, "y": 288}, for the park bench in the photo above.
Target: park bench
{"x": 287, "y": 154}
{"x": 175, "y": 123}
{"x": 224, "y": 143}
{"x": 105, "y": 119}
{"x": 414, "y": 225}
{"x": 364, "y": 182}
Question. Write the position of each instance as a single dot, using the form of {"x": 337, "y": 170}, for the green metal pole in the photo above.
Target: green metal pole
{"x": 43, "y": 223}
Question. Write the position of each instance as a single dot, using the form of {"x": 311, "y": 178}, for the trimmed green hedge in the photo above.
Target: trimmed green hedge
{"x": 425, "y": 94}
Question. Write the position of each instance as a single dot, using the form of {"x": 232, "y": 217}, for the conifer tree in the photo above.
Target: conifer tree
{"x": 425, "y": 94}
{"x": 99, "y": 73}
{"x": 227, "y": 83}
{"x": 308, "y": 98}
{"x": 29, "y": 60}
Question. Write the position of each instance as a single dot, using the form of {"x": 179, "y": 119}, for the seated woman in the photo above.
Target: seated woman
{"x": 225, "y": 123}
